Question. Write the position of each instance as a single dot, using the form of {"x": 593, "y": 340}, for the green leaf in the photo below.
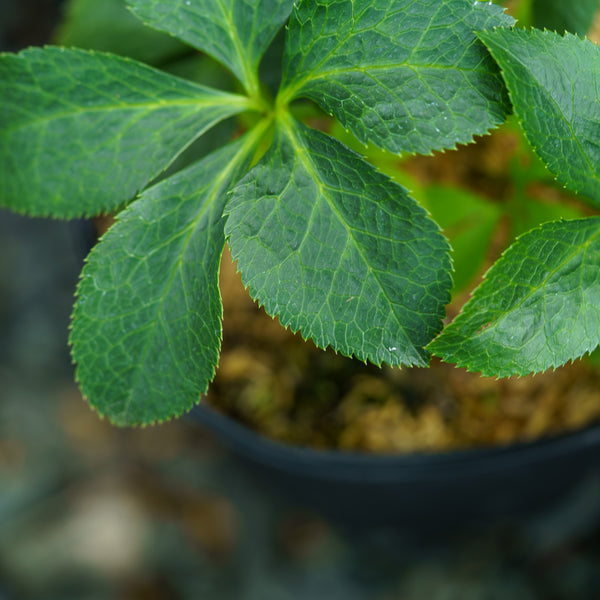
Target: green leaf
{"x": 554, "y": 86}
{"x": 338, "y": 251}
{"x": 469, "y": 222}
{"x": 527, "y": 213}
{"x": 408, "y": 76}
{"x": 108, "y": 26}
{"x": 81, "y": 132}
{"x": 538, "y": 307}
{"x": 235, "y": 32}
{"x": 560, "y": 15}
{"x": 146, "y": 327}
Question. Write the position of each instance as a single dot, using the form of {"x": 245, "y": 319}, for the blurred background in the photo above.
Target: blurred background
{"x": 88, "y": 511}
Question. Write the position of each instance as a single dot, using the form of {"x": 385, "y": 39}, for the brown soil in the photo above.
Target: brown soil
{"x": 289, "y": 390}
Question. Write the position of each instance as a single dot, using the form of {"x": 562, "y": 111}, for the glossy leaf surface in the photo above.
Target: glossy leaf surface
{"x": 538, "y": 307}
{"x": 147, "y": 321}
{"x": 235, "y": 32}
{"x": 83, "y": 132}
{"x": 554, "y": 86}
{"x": 339, "y": 251}
{"x": 408, "y": 76}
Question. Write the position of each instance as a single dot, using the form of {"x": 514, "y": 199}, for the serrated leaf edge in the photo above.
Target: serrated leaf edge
{"x": 571, "y": 188}
{"x": 249, "y": 146}
{"x": 451, "y": 358}
{"x": 288, "y": 122}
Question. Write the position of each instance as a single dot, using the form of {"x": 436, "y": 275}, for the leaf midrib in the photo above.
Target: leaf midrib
{"x": 237, "y": 103}
{"x": 312, "y": 77}
{"x": 290, "y": 128}
{"x": 505, "y": 314}
{"x": 247, "y": 73}
{"x": 547, "y": 94}
{"x": 207, "y": 205}
{"x": 342, "y": 41}
{"x": 291, "y": 91}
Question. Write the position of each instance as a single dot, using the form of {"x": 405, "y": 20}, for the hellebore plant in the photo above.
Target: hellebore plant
{"x": 323, "y": 239}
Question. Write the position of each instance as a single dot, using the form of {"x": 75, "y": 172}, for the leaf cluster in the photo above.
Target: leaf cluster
{"x": 324, "y": 240}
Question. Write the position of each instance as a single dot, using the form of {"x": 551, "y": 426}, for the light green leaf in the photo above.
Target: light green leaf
{"x": 408, "y": 75}
{"x": 235, "y": 32}
{"x": 108, "y": 26}
{"x": 561, "y": 15}
{"x": 469, "y": 222}
{"x": 338, "y": 251}
{"x": 82, "y": 132}
{"x": 555, "y": 89}
{"x": 538, "y": 307}
{"x": 146, "y": 327}
{"x": 527, "y": 213}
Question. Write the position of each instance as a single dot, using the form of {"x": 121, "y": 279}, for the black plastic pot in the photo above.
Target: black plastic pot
{"x": 427, "y": 493}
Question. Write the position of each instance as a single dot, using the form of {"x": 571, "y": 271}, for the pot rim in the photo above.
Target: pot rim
{"x": 350, "y": 465}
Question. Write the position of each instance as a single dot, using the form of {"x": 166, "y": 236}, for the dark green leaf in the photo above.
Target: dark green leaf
{"x": 235, "y": 32}
{"x": 538, "y": 307}
{"x": 339, "y": 251}
{"x": 108, "y": 26}
{"x": 147, "y": 321}
{"x": 555, "y": 88}
{"x": 409, "y": 76}
{"x": 561, "y": 15}
{"x": 83, "y": 132}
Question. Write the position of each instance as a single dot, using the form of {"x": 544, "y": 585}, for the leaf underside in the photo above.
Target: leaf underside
{"x": 538, "y": 306}
{"x": 410, "y": 76}
{"x": 82, "y": 132}
{"x": 235, "y": 32}
{"x": 146, "y": 329}
{"x": 338, "y": 251}
{"x": 554, "y": 86}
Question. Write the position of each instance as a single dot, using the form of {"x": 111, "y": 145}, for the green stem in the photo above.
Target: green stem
{"x": 251, "y": 84}
{"x": 284, "y": 97}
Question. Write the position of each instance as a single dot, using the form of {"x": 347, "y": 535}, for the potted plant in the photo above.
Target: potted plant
{"x": 323, "y": 239}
